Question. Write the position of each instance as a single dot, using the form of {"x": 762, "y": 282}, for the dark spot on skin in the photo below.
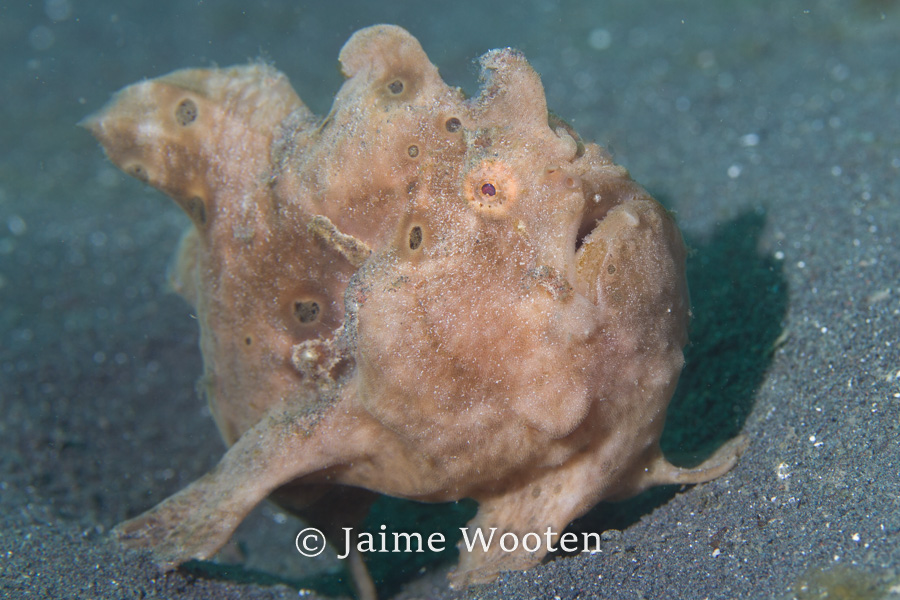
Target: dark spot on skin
{"x": 453, "y": 125}
{"x": 488, "y": 189}
{"x": 396, "y": 87}
{"x": 611, "y": 269}
{"x": 306, "y": 311}
{"x": 413, "y": 151}
{"x": 186, "y": 112}
{"x": 248, "y": 340}
{"x": 139, "y": 172}
{"x": 415, "y": 238}
{"x": 196, "y": 208}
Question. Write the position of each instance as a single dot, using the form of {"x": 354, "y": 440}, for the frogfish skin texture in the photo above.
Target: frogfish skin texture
{"x": 420, "y": 294}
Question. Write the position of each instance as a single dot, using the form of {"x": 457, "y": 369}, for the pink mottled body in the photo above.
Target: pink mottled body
{"x": 420, "y": 295}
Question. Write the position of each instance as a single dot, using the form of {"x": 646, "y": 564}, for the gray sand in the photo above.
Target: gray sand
{"x": 772, "y": 129}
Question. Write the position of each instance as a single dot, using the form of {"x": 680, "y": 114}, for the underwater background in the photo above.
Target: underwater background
{"x": 771, "y": 129}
